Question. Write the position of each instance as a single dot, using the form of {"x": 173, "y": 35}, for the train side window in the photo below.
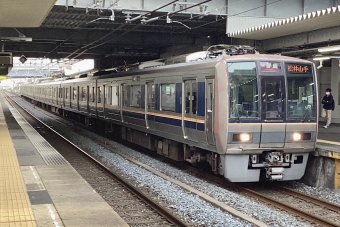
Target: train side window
{"x": 90, "y": 94}
{"x": 114, "y": 95}
{"x": 194, "y": 98}
{"x": 93, "y": 98}
{"x": 124, "y": 94}
{"x": 99, "y": 94}
{"x": 136, "y": 95}
{"x": 151, "y": 96}
{"x": 190, "y": 97}
{"x": 66, "y": 93}
{"x": 168, "y": 97}
{"x": 83, "y": 94}
{"x": 108, "y": 95}
{"x": 74, "y": 93}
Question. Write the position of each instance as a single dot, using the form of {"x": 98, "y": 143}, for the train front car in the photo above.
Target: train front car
{"x": 265, "y": 116}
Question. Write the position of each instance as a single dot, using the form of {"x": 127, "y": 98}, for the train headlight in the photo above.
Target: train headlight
{"x": 297, "y": 136}
{"x": 244, "y": 137}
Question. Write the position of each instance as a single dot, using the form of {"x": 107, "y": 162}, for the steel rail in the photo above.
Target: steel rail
{"x": 307, "y": 216}
{"x": 282, "y": 206}
{"x": 320, "y": 202}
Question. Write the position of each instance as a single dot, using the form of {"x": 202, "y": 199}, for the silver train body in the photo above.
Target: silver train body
{"x": 250, "y": 117}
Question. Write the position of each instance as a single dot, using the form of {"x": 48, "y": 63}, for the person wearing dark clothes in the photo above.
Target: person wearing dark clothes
{"x": 328, "y": 106}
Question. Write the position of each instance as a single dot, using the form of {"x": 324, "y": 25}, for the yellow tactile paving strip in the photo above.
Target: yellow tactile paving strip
{"x": 15, "y": 207}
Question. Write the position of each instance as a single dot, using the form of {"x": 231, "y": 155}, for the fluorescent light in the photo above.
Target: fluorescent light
{"x": 329, "y": 48}
{"x": 321, "y": 58}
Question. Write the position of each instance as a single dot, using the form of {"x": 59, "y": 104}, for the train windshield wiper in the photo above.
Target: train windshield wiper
{"x": 308, "y": 109}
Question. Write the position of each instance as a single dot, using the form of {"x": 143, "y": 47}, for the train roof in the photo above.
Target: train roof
{"x": 257, "y": 57}
{"x": 197, "y": 64}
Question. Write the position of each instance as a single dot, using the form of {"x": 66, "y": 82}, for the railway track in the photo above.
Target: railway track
{"x": 311, "y": 209}
{"x": 314, "y": 210}
{"x": 132, "y": 204}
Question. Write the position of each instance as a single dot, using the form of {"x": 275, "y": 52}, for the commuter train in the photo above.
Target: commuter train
{"x": 251, "y": 117}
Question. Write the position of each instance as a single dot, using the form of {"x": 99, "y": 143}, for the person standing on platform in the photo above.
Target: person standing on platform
{"x": 328, "y": 106}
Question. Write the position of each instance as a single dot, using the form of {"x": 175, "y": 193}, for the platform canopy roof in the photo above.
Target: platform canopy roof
{"x": 24, "y": 13}
{"x": 320, "y": 19}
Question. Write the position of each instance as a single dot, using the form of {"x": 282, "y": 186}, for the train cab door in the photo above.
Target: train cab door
{"x": 209, "y": 111}
{"x": 273, "y": 95}
{"x": 189, "y": 113}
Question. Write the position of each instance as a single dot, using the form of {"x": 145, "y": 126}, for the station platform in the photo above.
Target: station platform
{"x": 38, "y": 187}
{"x": 329, "y": 141}
{"x": 323, "y": 167}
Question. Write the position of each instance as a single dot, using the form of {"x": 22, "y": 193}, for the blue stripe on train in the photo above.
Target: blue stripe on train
{"x": 194, "y": 125}
{"x": 190, "y": 124}
{"x": 169, "y": 121}
{"x": 200, "y": 126}
{"x": 135, "y": 115}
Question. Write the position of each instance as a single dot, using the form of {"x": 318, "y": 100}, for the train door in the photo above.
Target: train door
{"x": 209, "y": 111}
{"x": 189, "y": 113}
{"x": 149, "y": 103}
{"x": 87, "y": 98}
{"x": 107, "y": 99}
{"x": 273, "y": 108}
{"x": 78, "y": 98}
{"x": 122, "y": 100}
{"x": 58, "y": 96}
{"x": 100, "y": 101}
{"x": 69, "y": 99}
{"x": 64, "y": 96}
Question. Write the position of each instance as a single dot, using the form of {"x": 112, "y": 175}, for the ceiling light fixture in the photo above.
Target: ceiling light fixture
{"x": 321, "y": 58}
{"x": 329, "y": 48}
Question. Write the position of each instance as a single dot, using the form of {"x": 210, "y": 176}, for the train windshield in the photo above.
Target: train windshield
{"x": 301, "y": 91}
{"x": 243, "y": 89}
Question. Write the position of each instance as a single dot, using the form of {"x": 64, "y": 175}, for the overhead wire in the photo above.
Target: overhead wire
{"x": 119, "y": 27}
{"x": 88, "y": 46}
{"x": 233, "y": 15}
{"x": 81, "y": 27}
